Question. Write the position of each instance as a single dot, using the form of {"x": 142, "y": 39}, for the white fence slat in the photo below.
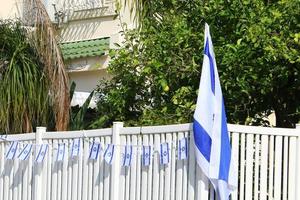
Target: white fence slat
{"x": 64, "y": 189}
{"x": 277, "y": 168}
{"x": 185, "y": 171}
{"x": 235, "y": 156}
{"x": 54, "y": 173}
{"x": 122, "y": 169}
{"x": 149, "y": 197}
{"x": 256, "y": 166}
{"x": 173, "y": 165}
{"x": 15, "y": 178}
{"x": 11, "y": 178}
{"x": 59, "y": 173}
{"x": 179, "y": 174}
{"x": 90, "y": 177}
{"x": 2, "y": 153}
{"x": 191, "y": 169}
{"x": 271, "y": 167}
{"x": 242, "y": 168}
{"x": 133, "y": 171}
{"x": 285, "y": 168}
{"x": 292, "y": 168}
{"x": 144, "y": 185}
{"x": 25, "y": 182}
{"x": 167, "y": 169}
{"x": 85, "y": 172}
{"x": 49, "y": 171}
{"x": 44, "y": 171}
{"x": 96, "y": 175}
{"x": 249, "y": 166}
{"x": 156, "y": 167}
{"x": 106, "y": 180}
{"x": 74, "y": 162}
{"x": 101, "y": 169}
{"x": 264, "y": 167}
{"x": 68, "y": 160}
{"x": 161, "y": 173}
{"x": 29, "y": 181}
{"x": 127, "y": 171}
{"x": 138, "y": 170}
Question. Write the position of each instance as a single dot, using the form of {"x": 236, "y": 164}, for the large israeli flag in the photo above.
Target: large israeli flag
{"x": 212, "y": 144}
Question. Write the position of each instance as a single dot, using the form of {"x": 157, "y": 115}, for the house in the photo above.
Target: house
{"x": 87, "y": 29}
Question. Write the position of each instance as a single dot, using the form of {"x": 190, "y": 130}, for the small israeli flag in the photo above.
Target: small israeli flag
{"x": 127, "y": 155}
{"x": 41, "y": 153}
{"x": 75, "y": 147}
{"x": 94, "y": 151}
{"x": 109, "y": 153}
{"x": 164, "y": 153}
{"x": 182, "y": 149}
{"x": 61, "y": 152}
{"x": 146, "y": 155}
{"x": 25, "y": 152}
{"x": 12, "y": 151}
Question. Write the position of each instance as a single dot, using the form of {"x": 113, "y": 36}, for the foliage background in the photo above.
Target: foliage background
{"x": 156, "y": 72}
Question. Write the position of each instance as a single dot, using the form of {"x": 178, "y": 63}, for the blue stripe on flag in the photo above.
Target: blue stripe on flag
{"x": 112, "y": 153}
{"x": 225, "y": 154}
{"x": 202, "y": 140}
{"x": 28, "y": 153}
{"x": 211, "y": 64}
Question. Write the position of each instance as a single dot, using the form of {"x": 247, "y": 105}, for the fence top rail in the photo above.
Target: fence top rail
{"x": 175, "y": 128}
{"x": 78, "y": 134}
{"x": 231, "y": 128}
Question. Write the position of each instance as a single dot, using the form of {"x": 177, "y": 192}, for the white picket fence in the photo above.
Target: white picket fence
{"x": 268, "y": 161}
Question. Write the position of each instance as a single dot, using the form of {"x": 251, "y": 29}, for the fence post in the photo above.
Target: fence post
{"x": 115, "y": 170}
{"x": 38, "y": 167}
{"x": 298, "y": 164}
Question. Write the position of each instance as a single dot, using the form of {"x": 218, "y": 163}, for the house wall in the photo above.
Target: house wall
{"x": 86, "y": 81}
{"x": 9, "y": 9}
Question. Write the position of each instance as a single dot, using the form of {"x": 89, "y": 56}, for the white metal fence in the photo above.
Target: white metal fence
{"x": 268, "y": 161}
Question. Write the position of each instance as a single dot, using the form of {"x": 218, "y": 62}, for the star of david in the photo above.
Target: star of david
{"x": 165, "y": 153}
{"x": 13, "y": 150}
{"x": 183, "y": 149}
{"x": 127, "y": 156}
{"x": 109, "y": 154}
{"x": 95, "y": 149}
{"x": 25, "y": 152}
{"x": 42, "y": 153}
{"x": 61, "y": 151}
{"x": 146, "y": 155}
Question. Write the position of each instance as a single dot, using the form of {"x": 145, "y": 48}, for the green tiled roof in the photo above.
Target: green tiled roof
{"x": 85, "y": 48}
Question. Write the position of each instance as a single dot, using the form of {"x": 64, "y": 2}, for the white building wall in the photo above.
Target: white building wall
{"x": 10, "y": 9}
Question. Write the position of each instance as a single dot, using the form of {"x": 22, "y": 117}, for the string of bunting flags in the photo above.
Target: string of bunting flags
{"x": 15, "y": 150}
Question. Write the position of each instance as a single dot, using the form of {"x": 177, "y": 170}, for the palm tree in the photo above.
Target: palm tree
{"x": 33, "y": 81}
{"x": 24, "y": 100}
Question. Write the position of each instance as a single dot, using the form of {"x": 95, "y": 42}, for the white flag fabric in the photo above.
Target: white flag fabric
{"x": 147, "y": 155}
{"x": 182, "y": 149}
{"x": 212, "y": 144}
{"x": 94, "y": 151}
{"x": 127, "y": 155}
{"x": 41, "y": 153}
{"x": 25, "y": 152}
{"x": 109, "y": 153}
{"x": 61, "y": 152}
{"x": 164, "y": 153}
{"x": 75, "y": 147}
{"x": 12, "y": 150}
